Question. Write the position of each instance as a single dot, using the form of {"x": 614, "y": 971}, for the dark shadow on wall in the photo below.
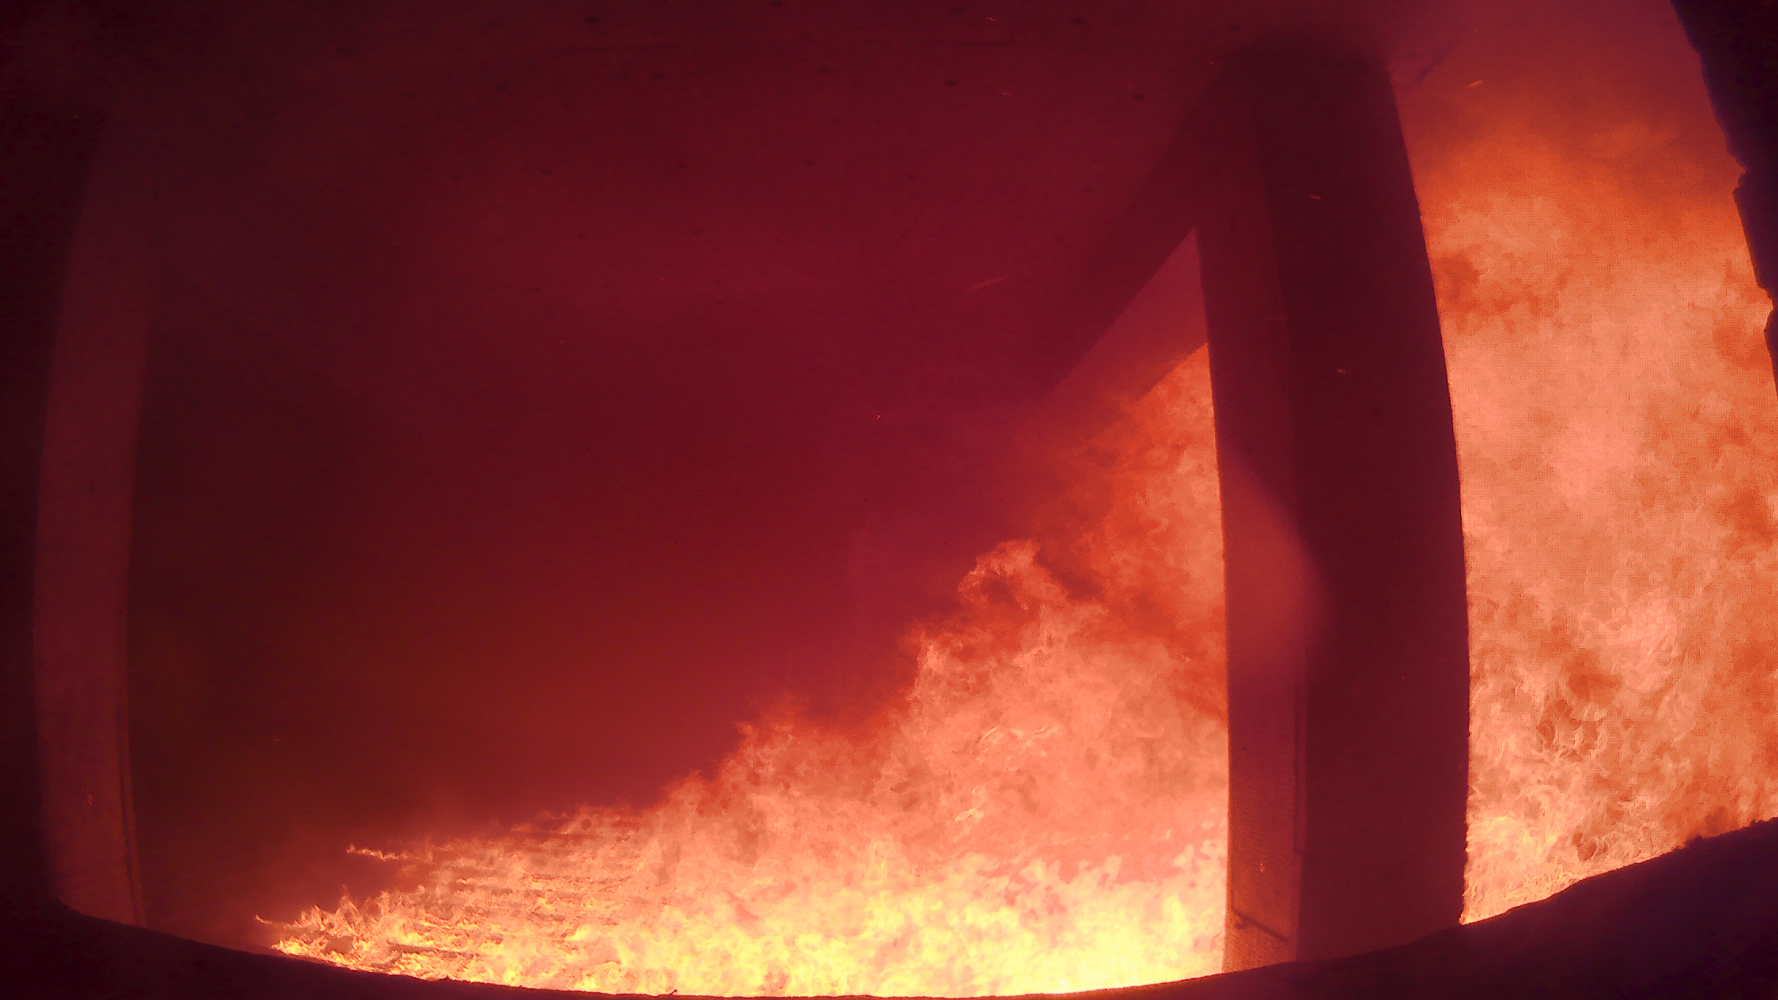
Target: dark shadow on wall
{"x": 251, "y": 475}
{"x": 46, "y": 144}
{"x": 1737, "y": 41}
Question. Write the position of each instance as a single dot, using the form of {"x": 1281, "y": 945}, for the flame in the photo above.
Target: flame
{"x": 1616, "y": 428}
{"x": 1046, "y": 810}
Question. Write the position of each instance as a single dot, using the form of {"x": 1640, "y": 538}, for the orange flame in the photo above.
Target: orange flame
{"x": 1617, "y": 432}
{"x": 1046, "y": 811}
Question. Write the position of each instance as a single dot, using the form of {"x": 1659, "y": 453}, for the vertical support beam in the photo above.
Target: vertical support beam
{"x": 1737, "y": 42}
{"x": 46, "y": 144}
{"x": 1347, "y": 626}
{"x": 82, "y": 552}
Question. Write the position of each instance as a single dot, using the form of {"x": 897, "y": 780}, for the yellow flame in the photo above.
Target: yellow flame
{"x": 1046, "y": 811}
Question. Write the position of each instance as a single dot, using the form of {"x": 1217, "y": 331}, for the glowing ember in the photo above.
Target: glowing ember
{"x": 1618, "y": 442}
{"x": 1046, "y": 812}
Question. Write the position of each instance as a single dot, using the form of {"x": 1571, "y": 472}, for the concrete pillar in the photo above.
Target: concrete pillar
{"x": 1347, "y": 628}
{"x": 1737, "y": 42}
{"x": 82, "y": 551}
{"x": 46, "y": 144}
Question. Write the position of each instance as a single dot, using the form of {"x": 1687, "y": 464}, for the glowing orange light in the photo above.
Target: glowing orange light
{"x": 1618, "y": 442}
{"x": 1045, "y": 812}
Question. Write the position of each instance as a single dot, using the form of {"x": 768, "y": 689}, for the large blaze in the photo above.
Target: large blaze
{"x": 1045, "y": 811}
{"x": 1617, "y": 432}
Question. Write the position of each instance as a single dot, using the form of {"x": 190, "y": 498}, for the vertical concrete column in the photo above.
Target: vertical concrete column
{"x": 1347, "y": 627}
{"x": 1737, "y": 42}
{"x": 46, "y": 144}
{"x": 82, "y": 551}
